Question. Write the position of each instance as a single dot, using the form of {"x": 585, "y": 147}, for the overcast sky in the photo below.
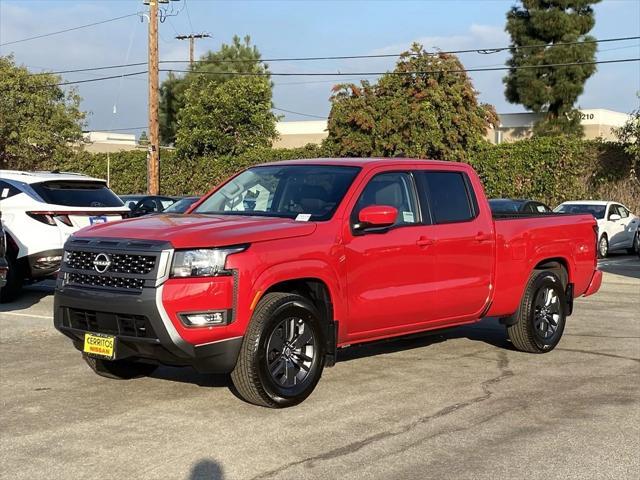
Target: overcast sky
{"x": 294, "y": 29}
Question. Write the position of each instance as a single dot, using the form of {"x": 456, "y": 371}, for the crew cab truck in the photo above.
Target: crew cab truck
{"x": 272, "y": 272}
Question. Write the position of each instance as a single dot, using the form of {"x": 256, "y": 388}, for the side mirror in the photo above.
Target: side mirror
{"x": 614, "y": 217}
{"x": 377, "y": 216}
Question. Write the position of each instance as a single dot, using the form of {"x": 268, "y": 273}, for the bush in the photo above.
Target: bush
{"x": 551, "y": 170}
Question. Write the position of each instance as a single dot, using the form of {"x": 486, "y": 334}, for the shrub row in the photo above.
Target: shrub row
{"x": 551, "y": 170}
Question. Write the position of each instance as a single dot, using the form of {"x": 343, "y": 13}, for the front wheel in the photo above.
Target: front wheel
{"x": 282, "y": 354}
{"x": 541, "y": 318}
{"x": 119, "y": 369}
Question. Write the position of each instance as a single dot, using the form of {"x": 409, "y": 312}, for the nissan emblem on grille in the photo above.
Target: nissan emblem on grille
{"x": 102, "y": 262}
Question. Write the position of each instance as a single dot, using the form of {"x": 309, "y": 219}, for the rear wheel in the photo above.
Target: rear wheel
{"x": 541, "y": 318}
{"x": 603, "y": 247}
{"x": 635, "y": 245}
{"x": 282, "y": 355}
{"x": 119, "y": 369}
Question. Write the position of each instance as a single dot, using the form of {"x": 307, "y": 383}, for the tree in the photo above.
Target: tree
{"x": 225, "y": 118}
{"x": 38, "y": 121}
{"x": 144, "y": 138}
{"x": 552, "y": 90}
{"x": 629, "y": 136}
{"x": 425, "y": 108}
{"x": 239, "y": 57}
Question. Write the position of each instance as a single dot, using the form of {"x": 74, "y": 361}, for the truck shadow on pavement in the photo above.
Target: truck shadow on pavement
{"x": 30, "y": 296}
{"x": 624, "y": 265}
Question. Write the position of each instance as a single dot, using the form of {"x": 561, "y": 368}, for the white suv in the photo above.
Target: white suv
{"x": 617, "y": 226}
{"x": 40, "y": 210}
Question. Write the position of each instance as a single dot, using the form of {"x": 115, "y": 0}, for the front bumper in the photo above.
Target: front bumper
{"x": 142, "y": 327}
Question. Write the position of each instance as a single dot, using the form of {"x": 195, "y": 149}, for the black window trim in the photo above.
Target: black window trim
{"x": 472, "y": 200}
{"x": 380, "y": 230}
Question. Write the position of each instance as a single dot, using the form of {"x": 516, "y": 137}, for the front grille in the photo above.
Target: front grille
{"x": 109, "y": 323}
{"x": 120, "y": 262}
{"x": 105, "y": 281}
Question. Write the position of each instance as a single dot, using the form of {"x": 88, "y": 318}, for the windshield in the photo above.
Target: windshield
{"x": 306, "y": 192}
{"x": 181, "y": 205}
{"x": 595, "y": 210}
{"x": 77, "y": 193}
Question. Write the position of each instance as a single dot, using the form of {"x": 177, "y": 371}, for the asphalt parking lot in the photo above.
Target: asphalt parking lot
{"x": 462, "y": 404}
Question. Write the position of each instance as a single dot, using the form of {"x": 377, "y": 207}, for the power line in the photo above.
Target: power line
{"x": 68, "y": 30}
{"x": 359, "y": 74}
{"x": 343, "y": 57}
{"x": 299, "y": 113}
{"x": 186, "y": 6}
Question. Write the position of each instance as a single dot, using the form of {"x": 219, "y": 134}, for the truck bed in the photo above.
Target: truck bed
{"x": 524, "y": 240}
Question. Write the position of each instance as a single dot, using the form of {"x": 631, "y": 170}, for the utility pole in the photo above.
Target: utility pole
{"x": 192, "y": 40}
{"x": 153, "y": 157}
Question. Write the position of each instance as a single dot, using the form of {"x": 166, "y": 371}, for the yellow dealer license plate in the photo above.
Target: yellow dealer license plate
{"x": 103, "y": 346}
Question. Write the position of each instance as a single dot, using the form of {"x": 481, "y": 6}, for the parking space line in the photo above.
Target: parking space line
{"x": 48, "y": 317}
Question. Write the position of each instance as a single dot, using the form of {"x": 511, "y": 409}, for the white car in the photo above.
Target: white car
{"x": 40, "y": 210}
{"x": 617, "y": 226}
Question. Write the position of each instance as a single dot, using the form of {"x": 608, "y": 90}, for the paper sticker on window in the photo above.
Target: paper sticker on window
{"x": 5, "y": 192}
{"x": 303, "y": 217}
{"x": 407, "y": 217}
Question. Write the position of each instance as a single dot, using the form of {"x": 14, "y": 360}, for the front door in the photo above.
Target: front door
{"x": 390, "y": 271}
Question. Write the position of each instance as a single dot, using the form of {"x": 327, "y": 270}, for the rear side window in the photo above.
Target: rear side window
{"x": 448, "y": 196}
{"x": 77, "y": 194}
{"x": 7, "y": 190}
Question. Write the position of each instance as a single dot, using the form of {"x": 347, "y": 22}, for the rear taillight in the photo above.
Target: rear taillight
{"x": 42, "y": 217}
{"x": 49, "y": 218}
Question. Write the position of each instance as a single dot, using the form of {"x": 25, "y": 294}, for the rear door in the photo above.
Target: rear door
{"x": 617, "y": 228}
{"x": 464, "y": 244}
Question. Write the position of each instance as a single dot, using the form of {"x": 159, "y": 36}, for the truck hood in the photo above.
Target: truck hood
{"x": 200, "y": 231}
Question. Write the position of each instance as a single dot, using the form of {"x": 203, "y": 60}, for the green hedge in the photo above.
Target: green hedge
{"x": 547, "y": 169}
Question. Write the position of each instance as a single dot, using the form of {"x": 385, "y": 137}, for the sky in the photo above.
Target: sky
{"x": 294, "y": 28}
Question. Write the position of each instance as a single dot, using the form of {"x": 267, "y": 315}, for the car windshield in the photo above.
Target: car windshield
{"x": 595, "y": 210}
{"x": 181, "y": 205}
{"x": 304, "y": 192}
{"x": 77, "y": 193}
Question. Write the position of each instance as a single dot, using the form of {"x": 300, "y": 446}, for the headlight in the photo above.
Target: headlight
{"x": 202, "y": 262}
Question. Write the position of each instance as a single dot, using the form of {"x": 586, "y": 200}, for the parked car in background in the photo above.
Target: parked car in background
{"x": 140, "y": 205}
{"x": 181, "y": 205}
{"x": 617, "y": 226}
{"x": 287, "y": 262}
{"x": 40, "y": 210}
{"x": 510, "y": 205}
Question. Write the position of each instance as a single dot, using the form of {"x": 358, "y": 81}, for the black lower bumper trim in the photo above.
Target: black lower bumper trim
{"x": 216, "y": 357}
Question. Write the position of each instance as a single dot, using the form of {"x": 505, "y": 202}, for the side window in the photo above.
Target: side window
{"x": 394, "y": 189}
{"x": 7, "y": 190}
{"x": 624, "y": 213}
{"x": 449, "y": 197}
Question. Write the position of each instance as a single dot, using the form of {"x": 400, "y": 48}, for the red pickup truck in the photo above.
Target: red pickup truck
{"x": 273, "y": 271}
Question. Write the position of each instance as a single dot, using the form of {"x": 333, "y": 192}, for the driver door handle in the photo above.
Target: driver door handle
{"x": 425, "y": 242}
{"x": 482, "y": 237}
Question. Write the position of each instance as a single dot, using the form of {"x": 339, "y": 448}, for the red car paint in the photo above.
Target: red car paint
{"x": 409, "y": 279}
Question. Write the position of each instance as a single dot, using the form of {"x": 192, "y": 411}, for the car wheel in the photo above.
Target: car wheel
{"x": 119, "y": 369}
{"x": 635, "y": 245}
{"x": 15, "y": 279}
{"x": 541, "y": 318}
{"x": 603, "y": 247}
{"x": 282, "y": 354}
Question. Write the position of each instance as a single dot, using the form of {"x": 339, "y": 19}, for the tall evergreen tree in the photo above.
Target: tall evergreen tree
{"x": 552, "y": 91}
{"x": 238, "y": 57}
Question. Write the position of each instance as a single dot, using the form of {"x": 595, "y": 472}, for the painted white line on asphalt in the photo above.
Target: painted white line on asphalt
{"x": 47, "y": 317}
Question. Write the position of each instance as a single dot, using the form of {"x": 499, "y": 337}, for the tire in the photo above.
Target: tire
{"x": 543, "y": 305}
{"x": 15, "y": 279}
{"x": 119, "y": 369}
{"x": 635, "y": 245}
{"x": 603, "y": 247}
{"x": 285, "y": 336}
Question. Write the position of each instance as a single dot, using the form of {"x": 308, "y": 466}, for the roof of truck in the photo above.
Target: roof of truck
{"x": 40, "y": 176}
{"x": 361, "y": 162}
